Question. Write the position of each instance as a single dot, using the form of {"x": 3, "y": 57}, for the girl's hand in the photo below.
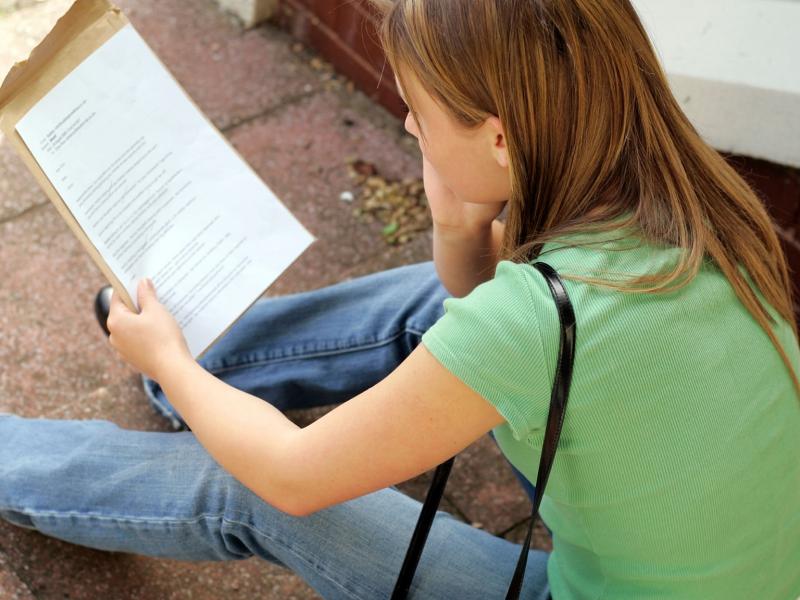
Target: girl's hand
{"x": 148, "y": 341}
{"x": 451, "y": 213}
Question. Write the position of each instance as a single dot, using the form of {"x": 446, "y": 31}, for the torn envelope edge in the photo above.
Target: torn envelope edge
{"x": 86, "y": 26}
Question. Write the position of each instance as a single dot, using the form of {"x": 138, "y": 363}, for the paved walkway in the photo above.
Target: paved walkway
{"x": 297, "y": 125}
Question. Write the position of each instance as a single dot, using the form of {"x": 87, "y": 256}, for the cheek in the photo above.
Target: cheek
{"x": 463, "y": 165}
{"x": 469, "y": 178}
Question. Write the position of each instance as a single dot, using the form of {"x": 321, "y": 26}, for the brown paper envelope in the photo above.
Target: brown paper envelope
{"x": 86, "y": 26}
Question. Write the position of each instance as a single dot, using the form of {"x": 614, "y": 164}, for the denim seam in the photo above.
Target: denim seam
{"x": 172, "y": 520}
{"x": 288, "y": 547}
{"x": 88, "y": 515}
{"x": 244, "y": 364}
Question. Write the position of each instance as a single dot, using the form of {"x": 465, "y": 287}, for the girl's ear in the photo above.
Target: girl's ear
{"x": 498, "y": 139}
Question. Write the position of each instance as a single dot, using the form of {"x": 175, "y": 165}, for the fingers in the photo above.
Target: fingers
{"x": 117, "y": 311}
{"x": 114, "y": 311}
{"x": 116, "y": 301}
{"x": 143, "y": 293}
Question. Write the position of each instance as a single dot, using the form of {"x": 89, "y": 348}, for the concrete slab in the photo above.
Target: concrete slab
{"x": 54, "y": 360}
{"x": 18, "y": 189}
{"x": 232, "y": 75}
{"x": 540, "y": 539}
{"x": 301, "y": 152}
{"x": 485, "y": 488}
{"x": 418, "y": 487}
{"x": 11, "y": 587}
{"x": 54, "y": 570}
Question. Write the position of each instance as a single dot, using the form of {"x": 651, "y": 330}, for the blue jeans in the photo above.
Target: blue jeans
{"x": 161, "y": 494}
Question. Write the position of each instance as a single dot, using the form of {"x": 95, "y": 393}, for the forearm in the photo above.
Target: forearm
{"x": 466, "y": 259}
{"x": 247, "y": 436}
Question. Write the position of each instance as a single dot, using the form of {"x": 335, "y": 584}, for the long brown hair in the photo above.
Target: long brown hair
{"x": 591, "y": 126}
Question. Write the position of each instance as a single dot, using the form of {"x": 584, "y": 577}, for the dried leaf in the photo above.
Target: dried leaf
{"x": 400, "y": 206}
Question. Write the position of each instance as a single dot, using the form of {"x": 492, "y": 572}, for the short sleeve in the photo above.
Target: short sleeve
{"x": 491, "y": 340}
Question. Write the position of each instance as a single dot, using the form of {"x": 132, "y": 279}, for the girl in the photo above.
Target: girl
{"x": 677, "y": 474}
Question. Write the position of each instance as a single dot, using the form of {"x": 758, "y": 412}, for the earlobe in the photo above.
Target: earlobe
{"x": 499, "y": 148}
{"x": 501, "y": 151}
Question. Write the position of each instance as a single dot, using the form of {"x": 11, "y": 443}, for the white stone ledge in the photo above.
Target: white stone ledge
{"x": 249, "y": 12}
{"x": 734, "y": 66}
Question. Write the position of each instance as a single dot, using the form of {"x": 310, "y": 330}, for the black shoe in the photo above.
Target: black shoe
{"x": 102, "y": 306}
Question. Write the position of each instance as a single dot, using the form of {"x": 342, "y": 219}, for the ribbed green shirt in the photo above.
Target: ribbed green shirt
{"x": 678, "y": 470}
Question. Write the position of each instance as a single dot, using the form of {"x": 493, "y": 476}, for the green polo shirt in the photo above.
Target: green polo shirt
{"x": 678, "y": 470}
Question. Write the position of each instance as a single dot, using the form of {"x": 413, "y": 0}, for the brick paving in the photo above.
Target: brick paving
{"x": 296, "y": 124}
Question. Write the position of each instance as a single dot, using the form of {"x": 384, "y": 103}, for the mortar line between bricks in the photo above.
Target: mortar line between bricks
{"x": 506, "y": 531}
{"x": 22, "y": 213}
{"x": 271, "y": 110}
{"x": 457, "y": 508}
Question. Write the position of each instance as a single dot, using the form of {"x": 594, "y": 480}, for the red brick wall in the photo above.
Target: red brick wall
{"x": 343, "y": 31}
{"x": 779, "y": 186}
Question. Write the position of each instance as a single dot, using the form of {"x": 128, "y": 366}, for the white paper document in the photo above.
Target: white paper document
{"x": 158, "y": 191}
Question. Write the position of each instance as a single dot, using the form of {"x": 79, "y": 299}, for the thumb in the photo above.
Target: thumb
{"x": 146, "y": 293}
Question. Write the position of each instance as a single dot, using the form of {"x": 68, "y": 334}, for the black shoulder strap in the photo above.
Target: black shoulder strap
{"x": 558, "y": 406}
{"x": 555, "y": 419}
